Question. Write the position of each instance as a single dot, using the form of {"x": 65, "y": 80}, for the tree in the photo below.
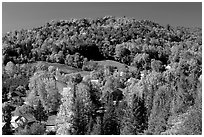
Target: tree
{"x": 110, "y": 122}
{"x": 126, "y": 124}
{"x": 77, "y": 78}
{"x": 43, "y": 88}
{"x": 10, "y": 68}
{"x": 96, "y": 127}
{"x": 151, "y": 83}
{"x": 41, "y": 66}
{"x": 37, "y": 129}
{"x": 83, "y": 108}
{"x": 51, "y": 69}
{"x": 69, "y": 60}
{"x": 141, "y": 61}
{"x": 59, "y": 58}
{"x": 65, "y": 114}
{"x": 24, "y": 110}
{"x": 75, "y": 112}
{"x": 139, "y": 115}
{"x": 32, "y": 98}
{"x": 192, "y": 125}
{"x": 40, "y": 113}
{"x": 156, "y": 65}
{"x": 160, "y": 111}
{"x": 52, "y": 98}
{"x": 122, "y": 53}
{"x": 34, "y": 129}
{"x": 6, "y": 117}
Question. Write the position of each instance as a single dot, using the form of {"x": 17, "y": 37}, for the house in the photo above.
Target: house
{"x": 168, "y": 67}
{"x": 200, "y": 78}
{"x": 60, "y": 85}
{"x": 131, "y": 81}
{"x": 83, "y": 33}
{"x": 143, "y": 74}
{"x": 17, "y": 121}
{"x": 86, "y": 78}
{"x": 114, "y": 102}
{"x": 94, "y": 81}
{"x": 3, "y": 124}
{"x": 66, "y": 90}
{"x": 50, "y": 124}
{"x": 26, "y": 119}
{"x": 121, "y": 73}
{"x": 17, "y": 93}
{"x": 20, "y": 118}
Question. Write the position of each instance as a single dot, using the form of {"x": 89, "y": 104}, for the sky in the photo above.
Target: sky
{"x": 16, "y": 16}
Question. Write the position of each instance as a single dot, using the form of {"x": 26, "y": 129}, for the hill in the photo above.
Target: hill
{"x": 160, "y": 92}
{"x": 107, "y": 38}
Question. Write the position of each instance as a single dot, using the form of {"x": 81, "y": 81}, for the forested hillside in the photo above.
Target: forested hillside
{"x": 109, "y": 75}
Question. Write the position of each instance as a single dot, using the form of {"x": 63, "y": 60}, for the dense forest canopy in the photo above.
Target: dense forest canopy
{"x": 122, "y": 76}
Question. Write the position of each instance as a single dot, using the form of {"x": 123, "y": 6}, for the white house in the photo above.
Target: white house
{"x": 200, "y": 78}
{"x": 16, "y": 121}
{"x": 3, "y": 124}
{"x": 94, "y": 81}
{"x": 21, "y": 118}
{"x": 114, "y": 102}
{"x": 121, "y": 73}
{"x": 142, "y": 75}
{"x": 83, "y": 33}
{"x": 25, "y": 102}
{"x": 66, "y": 90}
{"x": 168, "y": 67}
{"x": 50, "y": 124}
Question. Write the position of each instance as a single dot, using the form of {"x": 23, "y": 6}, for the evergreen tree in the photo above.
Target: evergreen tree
{"x": 110, "y": 120}
{"x": 77, "y": 107}
{"x": 160, "y": 111}
{"x": 40, "y": 113}
{"x": 6, "y": 111}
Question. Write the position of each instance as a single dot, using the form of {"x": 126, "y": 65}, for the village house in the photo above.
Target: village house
{"x": 168, "y": 67}
{"x": 65, "y": 90}
{"x": 3, "y": 124}
{"x": 50, "y": 124}
{"x": 95, "y": 81}
{"x": 21, "y": 120}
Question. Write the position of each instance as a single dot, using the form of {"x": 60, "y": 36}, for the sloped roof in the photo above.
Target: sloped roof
{"x": 14, "y": 118}
{"x": 60, "y": 85}
{"x": 17, "y": 93}
{"x": 28, "y": 116}
{"x": 51, "y": 120}
{"x": 3, "y": 124}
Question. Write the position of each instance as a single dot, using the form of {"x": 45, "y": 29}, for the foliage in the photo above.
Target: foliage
{"x": 193, "y": 124}
{"x": 110, "y": 121}
{"x": 34, "y": 129}
{"x": 75, "y": 111}
{"x": 43, "y": 88}
{"x": 160, "y": 111}
{"x": 10, "y": 68}
{"x": 7, "y": 108}
{"x": 65, "y": 115}
{"x": 156, "y": 69}
{"x": 40, "y": 113}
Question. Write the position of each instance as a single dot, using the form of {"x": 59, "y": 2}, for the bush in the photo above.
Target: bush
{"x": 193, "y": 124}
{"x": 35, "y": 129}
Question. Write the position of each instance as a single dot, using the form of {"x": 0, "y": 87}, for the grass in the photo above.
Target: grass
{"x": 119, "y": 65}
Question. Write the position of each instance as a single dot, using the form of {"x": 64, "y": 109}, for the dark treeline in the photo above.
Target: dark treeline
{"x": 121, "y": 39}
